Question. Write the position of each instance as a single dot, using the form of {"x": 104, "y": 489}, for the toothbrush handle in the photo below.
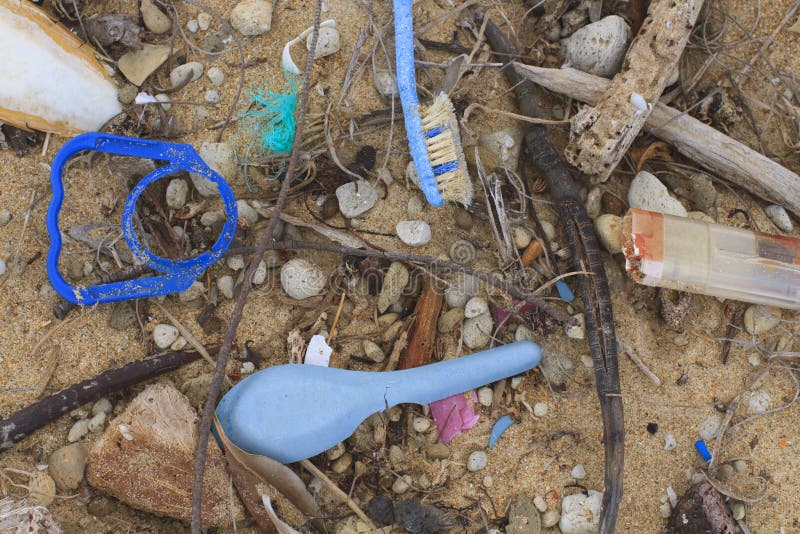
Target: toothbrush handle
{"x": 429, "y": 383}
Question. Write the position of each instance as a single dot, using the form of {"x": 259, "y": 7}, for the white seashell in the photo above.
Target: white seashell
{"x": 477, "y": 331}
{"x": 475, "y": 306}
{"x": 302, "y": 279}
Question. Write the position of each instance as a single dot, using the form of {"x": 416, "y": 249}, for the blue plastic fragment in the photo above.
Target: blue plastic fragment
{"x": 702, "y": 449}
{"x": 499, "y": 427}
{"x": 564, "y": 291}
{"x": 176, "y": 276}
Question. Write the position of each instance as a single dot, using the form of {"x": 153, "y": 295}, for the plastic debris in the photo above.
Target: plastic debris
{"x": 272, "y": 119}
{"x": 702, "y": 449}
{"x": 454, "y": 414}
{"x": 176, "y": 276}
{"x": 318, "y": 352}
{"x": 503, "y": 424}
{"x": 564, "y": 291}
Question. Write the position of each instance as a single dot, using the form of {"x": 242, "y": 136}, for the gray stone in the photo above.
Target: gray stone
{"x": 438, "y": 451}
{"x": 600, "y": 47}
{"x": 356, "y": 198}
{"x": 5, "y": 217}
{"x": 477, "y": 460}
{"x": 393, "y": 284}
{"x": 414, "y": 233}
{"x": 702, "y": 192}
{"x": 609, "y": 231}
{"x": 222, "y": 159}
{"x": 215, "y": 76}
{"x": 176, "y": 194}
{"x": 648, "y": 193}
{"x": 478, "y": 330}
{"x": 779, "y": 216}
{"x": 154, "y": 19}
{"x": 328, "y": 42}
{"x": 252, "y": 17}
{"x": 192, "y": 70}
{"x": 761, "y": 319}
{"x": 523, "y": 517}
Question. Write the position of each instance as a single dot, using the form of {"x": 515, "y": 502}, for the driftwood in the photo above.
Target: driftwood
{"x": 22, "y": 423}
{"x": 604, "y": 133}
{"x": 711, "y": 148}
{"x": 587, "y": 256}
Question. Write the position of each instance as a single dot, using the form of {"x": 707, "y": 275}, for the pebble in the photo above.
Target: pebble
{"x": 222, "y": 159}
{"x": 102, "y": 406}
{"x": 342, "y": 464}
{"x": 210, "y": 218}
{"x": 247, "y": 215}
{"x": 665, "y": 510}
{"x": 42, "y": 492}
{"x": 779, "y": 216}
{"x": 462, "y": 252}
{"x": 373, "y": 351}
{"x": 415, "y": 207}
{"x": 754, "y": 360}
{"x": 438, "y": 451}
{"x": 236, "y": 262}
{"x": 195, "y": 291}
{"x": 165, "y": 335}
{"x": 193, "y": 25}
{"x": 67, "y": 464}
{"x": 648, "y": 193}
{"x": 478, "y": 330}
{"x": 394, "y": 282}
{"x": 137, "y": 65}
{"x": 702, "y": 192}
{"x": 761, "y": 319}
{"x": 178, "y": 344}
{"x": 97, "y": 422}
{"x": 521, "y": 236}
{"x": 578, "y": 330}
{"x": 154, "y": 19}
{"x": 5, "y": 217}
{"x": 599, "y": 48}
{"x": 740, "y": 466}
{"x": 759, "y": 402}
{"x": 476, "y": 461}
{"x": 540, "y": 409}
{"x": 580, "y": 514}
{"x": 421, "y": 424}
{"x": 225, "y": 286}
{"x": 475, "y": 306}
{"x": 670, "y": 442}
{"x": 550, "y": 518}
{"x": 609, "y": 231}
{"x": 413, "y": 233}
{"x": 540, "y": 503}
{"x": 396, "y": 455}
{"x": 738, "y": 511}
{"x": 523, "y": 517}
{"x": 247, "y": 367}
{"x": 386, "y": 84}
{"x": 516, "y": 382}
{"x": 215, "y": 76}
{"x": 212, "y": 96}
{"x": 193, "y": 70}
{"x": 459, "y": 292}
{"x": 78, "y": 430}
{"x": 504, "y": 146}
{"x": 252, "y": 17}
{"x": 485, "y": 396}
{"x": 328, "y": 42}
{"x": 450, "y": 319}
{"x": 302, "y": 279}
{"x": 177, "y": 190}
{"x": 549, "y": 230}
{"x": 578, "y": 472}
{"x": 523, "y": 333}
{"x": 672, "y": 496}
{"x": 402, "y": 484}
{"x": 709, "y": 427}
{"x": 487, "y": 481}
{"x": 725, "y": 472}
{"x": 204, "y": 21}
{"x": 594, "y": 202}
{"x": 356, "y": 198}
{"x": 381, "y": 510}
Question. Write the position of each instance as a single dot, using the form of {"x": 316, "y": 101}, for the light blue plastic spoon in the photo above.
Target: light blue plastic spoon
{"x": 292, "y": 412}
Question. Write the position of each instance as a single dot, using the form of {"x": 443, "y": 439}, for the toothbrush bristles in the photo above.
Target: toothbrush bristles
{"x": 444, "y": 151}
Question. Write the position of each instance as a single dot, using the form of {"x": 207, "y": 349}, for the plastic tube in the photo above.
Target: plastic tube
{"x": 712, "y": 259}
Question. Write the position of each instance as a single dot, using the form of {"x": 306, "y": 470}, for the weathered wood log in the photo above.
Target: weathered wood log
{"x": 720, "y": 154}
{"x": 605, "y": 132}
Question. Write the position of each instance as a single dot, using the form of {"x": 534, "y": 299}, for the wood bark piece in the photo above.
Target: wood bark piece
{"x": 711, "y": 148}
{"x": 145, "y": 459}
{"x": 605, "y": 132}
{"x": 423, "y": 333}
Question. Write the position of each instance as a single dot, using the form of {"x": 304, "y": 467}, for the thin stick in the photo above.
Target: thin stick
{"x": 22, "y": 423}
{"x": 311, "y": 468}
{"x": 247, "y": 285}
{"x": 336, "y": 318}
{"x": 641, "y": 365}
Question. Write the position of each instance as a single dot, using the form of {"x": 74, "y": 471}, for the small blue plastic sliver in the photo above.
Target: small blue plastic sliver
{"x": 499, "y": 427}
{"x": 564, "y": 291}
{"x": 702, "y": 449}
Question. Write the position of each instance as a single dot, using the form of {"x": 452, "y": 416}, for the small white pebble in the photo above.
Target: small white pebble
{"x": 215, "y": 76}
{"x": 485, "y": 396}
{"x": 477, "y": 460}
{"x": 540, "y": 503}
{"x": 126, "y": 432}
{"x": 516, "y": 381}
{"x": 401, "y": 485}
{"x": 540, "y": 409}
{"x": 754, "y": 360}
{"x": 225, "y": 286}
{"x": 488, "y": 480}
{"x": 212, "y": 96}
{"x": 587, "y": 361}
{"x": 78, "y": 430}
{"x": 103, "y": 405}
{"x": 578, "y": 472}
{"x": 709, "y": 427}
{"x": 421, "y": 424}
{"x": 192, "y": 26}
{"x": 248, "y": 367}
{"x": 665, "y": 510}
{"x": 672, "y": 496}
{"x": 738, "y": 511}
{"x": 204, "y": 21}
{"x": 165, "y": 335}
{"x": 638, "y": 102}
{"x": 759, "y": 402}
{"x": 578, "y": 330}
{"x": 97, "y": 422}
{"x": 475, "y": 306}
{"x": 178, "y": 344}
{"x": 670, "y": 442}
{"x": 235, "y": 263}
{"x": 551, "y": 518}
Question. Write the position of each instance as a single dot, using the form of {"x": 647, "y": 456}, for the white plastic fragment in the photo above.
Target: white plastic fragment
{"x": 318, "y": 352}
{"x": 287, "y": 62}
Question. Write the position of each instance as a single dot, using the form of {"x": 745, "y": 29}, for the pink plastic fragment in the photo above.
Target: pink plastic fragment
{"x": 454, "y": 414}
{"x": 503, "y": 314}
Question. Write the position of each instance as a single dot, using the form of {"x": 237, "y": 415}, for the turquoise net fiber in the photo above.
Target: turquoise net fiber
{"x": 271, "y": 120}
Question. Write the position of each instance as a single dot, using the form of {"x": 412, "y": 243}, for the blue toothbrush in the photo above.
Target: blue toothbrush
{"x": 292, "y": 412}
{"x": 433, "y": 137}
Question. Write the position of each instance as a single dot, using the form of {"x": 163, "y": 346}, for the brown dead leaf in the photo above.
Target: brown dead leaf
{"x": 655, "y": 150}
{"x": 273, "y": 473}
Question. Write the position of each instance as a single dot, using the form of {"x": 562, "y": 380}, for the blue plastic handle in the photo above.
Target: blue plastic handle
{"x": 293, "y": 412}
{"x": 177, "y": 275}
